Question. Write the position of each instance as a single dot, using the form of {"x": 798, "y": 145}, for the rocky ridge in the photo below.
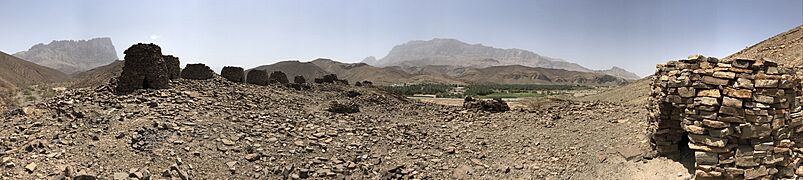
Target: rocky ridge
{"x": 70, "y": 56}
{"x": 452, "y": 52}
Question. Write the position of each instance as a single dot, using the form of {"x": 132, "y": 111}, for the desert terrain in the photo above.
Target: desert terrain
{"x": 78, "y": 126}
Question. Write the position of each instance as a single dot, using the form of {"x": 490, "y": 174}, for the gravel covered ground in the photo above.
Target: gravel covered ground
{"x": 214, "y": 129}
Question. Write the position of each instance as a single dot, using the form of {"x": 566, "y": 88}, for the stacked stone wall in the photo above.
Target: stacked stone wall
{"x": 173, "y": 66}
{"x": 741, "y": 116}
{"x": 233, "y": 74}
{"x": 197, "y": 72}
{"x": 144, "y": 68}
{"x": 258, "y": 77}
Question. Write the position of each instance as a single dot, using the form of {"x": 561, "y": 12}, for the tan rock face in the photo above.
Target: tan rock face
{"x": 741, "y": 116}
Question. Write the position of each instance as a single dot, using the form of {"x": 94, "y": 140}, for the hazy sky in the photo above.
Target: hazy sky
{"x": 633, "y": 34}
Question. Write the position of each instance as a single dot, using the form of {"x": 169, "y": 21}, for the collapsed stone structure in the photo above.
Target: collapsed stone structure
{"x": 173, "y": 66}
{"x": 258, "y": 77}
{"x": 343, "y": 108}
{"x": 144, "y": 68}
{"x": 197, "y": 72}
{"x": 740, "y": 117}
{"x": 494, "y": 105}
{"x": 279, "y": 77}
{"x": 299, "y": 80}
{"x": 330, "y": 78}
{"x": 233, "y": 74}
{"x": 364, "y": 83}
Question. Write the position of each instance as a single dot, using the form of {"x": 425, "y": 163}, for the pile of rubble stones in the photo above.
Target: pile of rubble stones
{"x": 493, "y": 105}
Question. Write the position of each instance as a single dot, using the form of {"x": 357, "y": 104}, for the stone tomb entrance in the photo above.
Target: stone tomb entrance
{"x": 741, "y": 117}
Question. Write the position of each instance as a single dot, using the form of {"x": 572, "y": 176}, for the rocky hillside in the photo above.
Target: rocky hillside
{"x": 785, "y": 48}
{"x": 15, "y": 72}
{"x": 362, "y": 71}
{"x": 71, "y": 56}
{"x": 295, "y": 68}
{"x": 215, "y": 129}
{"x": 97, "y": 76}
{"x": 451, "y": 52}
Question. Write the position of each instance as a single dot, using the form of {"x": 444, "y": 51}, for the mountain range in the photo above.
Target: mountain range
{"x": 440, "y": 74}
{"x": 70, "y": 56}
{"x": 452, "y": 52}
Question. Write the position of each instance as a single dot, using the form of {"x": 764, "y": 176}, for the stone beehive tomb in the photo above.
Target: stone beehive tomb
{"x": 144, "y": 68}
{"x": 197, "y": 72}
{"x": 740, "y": 118}
{"x": 233, "y": 74}
{"x": 173, "y": 66}
{"x": 258, "y": 77}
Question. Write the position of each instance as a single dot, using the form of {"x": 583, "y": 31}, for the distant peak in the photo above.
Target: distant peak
{"x": 617, "y": 68}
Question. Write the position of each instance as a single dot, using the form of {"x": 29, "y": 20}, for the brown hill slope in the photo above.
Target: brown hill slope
{"x": 295, "y": 68}
{"x": 635, "y": 92}
{"x": 785, "y": 48}
{"x": 15, "y": 72}
{"x": 362, "y": 71}
{"x": 97, "y": 76}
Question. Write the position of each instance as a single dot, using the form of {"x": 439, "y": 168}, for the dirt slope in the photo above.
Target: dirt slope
{"x": 362, "y": 71}
{"x": 15, "y": 73}
{"x": 635, "y": 93}
{"x": 785, "y": 48}
{"x": 295, "y": 68}
{"x": 97, "y": 76}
